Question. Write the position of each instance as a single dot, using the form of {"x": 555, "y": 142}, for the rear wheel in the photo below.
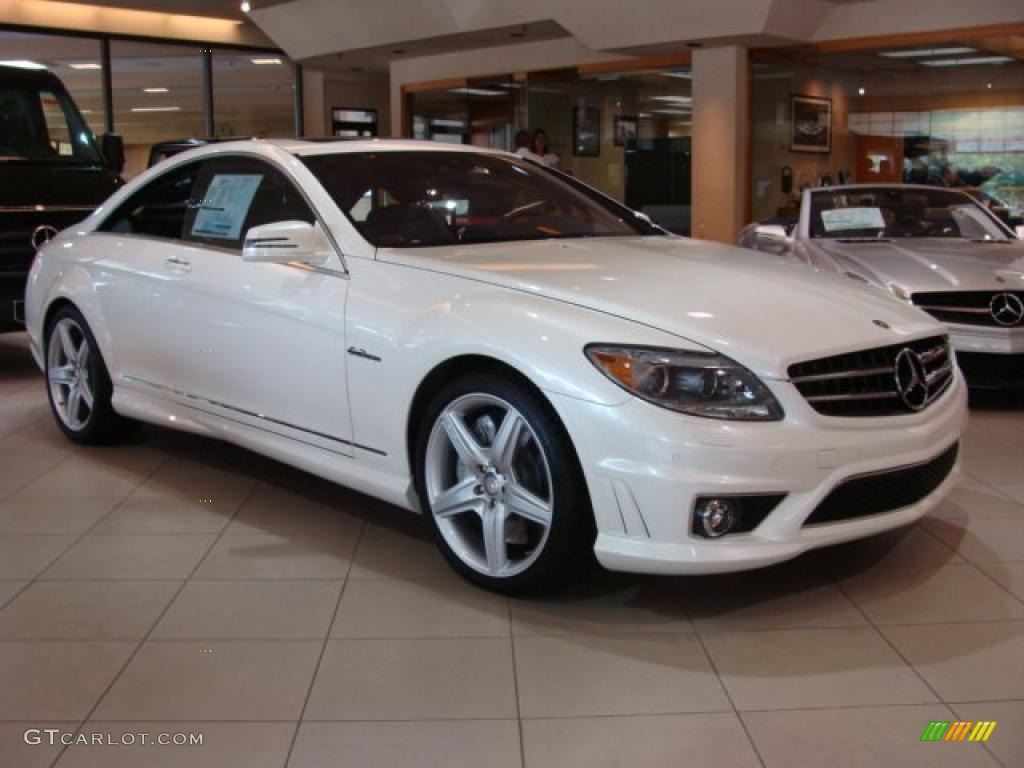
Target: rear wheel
{"x": 78, "y": 384}
{"x": 501, "y": 488}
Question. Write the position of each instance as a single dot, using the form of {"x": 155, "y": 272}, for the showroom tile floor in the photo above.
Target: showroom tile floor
{"x": 175, "y": 585}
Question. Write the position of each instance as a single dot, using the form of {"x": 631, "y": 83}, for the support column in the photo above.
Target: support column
{"x": 108, "y": 86}
{"x": 299, "y": 102}
{"x": 316, "y": 120}
{"x": 208, "y": 123}
{"x": 721, "y": 129}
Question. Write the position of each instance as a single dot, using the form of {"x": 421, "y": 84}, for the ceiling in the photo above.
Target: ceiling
{"x": 221, "y": 9}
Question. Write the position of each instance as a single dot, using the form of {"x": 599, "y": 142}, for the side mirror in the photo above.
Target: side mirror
{"x": 771, "y": 231}
{"x": 113, "y": 150}
{"x": 283, "y": 241}
{"x": 770, "y": 237}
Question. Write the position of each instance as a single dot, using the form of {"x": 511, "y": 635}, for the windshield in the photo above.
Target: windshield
{"x": 427, "y": 198}
{"x": 900, "y": 212}
{"x": 42, "y": 125}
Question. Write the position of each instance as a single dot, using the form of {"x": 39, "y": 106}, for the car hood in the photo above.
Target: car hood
{"x": 932, "y": 264}
{"x": 761, "y": 311}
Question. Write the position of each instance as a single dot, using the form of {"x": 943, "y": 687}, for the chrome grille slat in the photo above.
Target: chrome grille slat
{"x": 939, "y": 308}
{"x": 964, "y": 307}
{"x": 864, "y": 396}
{"x": 864, "y": 382}
{"x": 840, "y": 375}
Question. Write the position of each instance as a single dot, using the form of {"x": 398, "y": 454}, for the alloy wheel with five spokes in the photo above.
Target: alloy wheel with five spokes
{"x": 69, "y": 374}
{"x": 489, "y": 486}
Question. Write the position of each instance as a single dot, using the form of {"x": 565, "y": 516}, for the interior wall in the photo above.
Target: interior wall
{"x": 356, "y": 93}
{"x": 770, "y": 141}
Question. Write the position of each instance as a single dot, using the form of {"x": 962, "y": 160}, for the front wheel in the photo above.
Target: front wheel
{"x": 501, "y": 487}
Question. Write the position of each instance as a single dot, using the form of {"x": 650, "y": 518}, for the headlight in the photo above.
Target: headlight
{"x": 698, "y": 383}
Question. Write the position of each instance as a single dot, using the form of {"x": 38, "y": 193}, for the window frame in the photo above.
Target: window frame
{"x": 102, "y": 229}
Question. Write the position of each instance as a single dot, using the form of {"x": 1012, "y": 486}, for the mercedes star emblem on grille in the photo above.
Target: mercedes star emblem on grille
{"x": 1006, "y": 309}
{"x": 911, "y": 379}
{"x": 42, "y": 235}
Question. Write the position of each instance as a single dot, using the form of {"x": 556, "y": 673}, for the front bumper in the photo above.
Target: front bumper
{"x": 646, "y": 466}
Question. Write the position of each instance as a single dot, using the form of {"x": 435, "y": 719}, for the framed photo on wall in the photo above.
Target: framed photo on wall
{"x": 586, "y": 131}
{"x": 624, "y": 129}
{"x": 810, "y": 124}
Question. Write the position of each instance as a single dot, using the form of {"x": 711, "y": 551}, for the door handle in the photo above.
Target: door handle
{"x": 177, "y": 262}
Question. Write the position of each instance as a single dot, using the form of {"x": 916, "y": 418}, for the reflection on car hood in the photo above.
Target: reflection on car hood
{"x": 764, "y": 312}
{"x": 931, "y": 264}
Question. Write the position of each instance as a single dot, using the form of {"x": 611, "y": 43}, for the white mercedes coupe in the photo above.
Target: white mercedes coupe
{"x": 542, "y": 373}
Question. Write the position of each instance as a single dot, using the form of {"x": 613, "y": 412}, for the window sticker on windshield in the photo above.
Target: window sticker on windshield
{"x": 840, "y": 219}
{"x": 222, "y": 211}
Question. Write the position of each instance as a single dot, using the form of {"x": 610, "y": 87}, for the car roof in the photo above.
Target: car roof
{"x": 31, "y": 77}
{"x": 886, "y": 185}
{"x": 333, "y": 146}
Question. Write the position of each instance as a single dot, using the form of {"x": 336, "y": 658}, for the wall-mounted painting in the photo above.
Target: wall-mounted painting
{"x": 586, "y": 131}
{"x": 625, "y": 129}
{"x": 810, "y": 124}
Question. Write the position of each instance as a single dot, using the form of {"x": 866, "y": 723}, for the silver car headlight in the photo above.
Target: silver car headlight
{"x": 698, "y": 383}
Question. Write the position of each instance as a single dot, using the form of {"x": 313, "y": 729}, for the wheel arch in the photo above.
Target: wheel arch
{"x": 460, "y": 365}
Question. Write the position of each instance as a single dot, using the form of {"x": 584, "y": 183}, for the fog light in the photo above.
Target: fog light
{"x": 716, "y": 517}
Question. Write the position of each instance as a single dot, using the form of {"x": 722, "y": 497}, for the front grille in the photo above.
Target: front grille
{"x": 967, "y": 307}
{"x": 864, "y": 383}
{"x": 882, "y": 492}
{"x": 16, "y": 228}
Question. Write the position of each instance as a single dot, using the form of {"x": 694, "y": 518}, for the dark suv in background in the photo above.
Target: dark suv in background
{"x": 52, "y": 175}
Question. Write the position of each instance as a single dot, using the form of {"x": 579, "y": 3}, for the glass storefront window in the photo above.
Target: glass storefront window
{"x": 75, "y": 60}
{"x": 158, "y": 96}
{"x": 907, "y": 114}
{"x": 253, "y": 94}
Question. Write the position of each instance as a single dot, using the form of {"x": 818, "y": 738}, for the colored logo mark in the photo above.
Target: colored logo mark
{"x": 959, "y": 730}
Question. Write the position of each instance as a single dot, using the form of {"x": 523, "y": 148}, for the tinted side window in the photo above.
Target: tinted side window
{"x": 236, "y": 194}
{"x": 158, "y": 209}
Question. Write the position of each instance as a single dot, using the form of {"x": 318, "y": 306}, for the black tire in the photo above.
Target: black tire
{"x": 567, "y": 552}
{"x": 102, "y": 424}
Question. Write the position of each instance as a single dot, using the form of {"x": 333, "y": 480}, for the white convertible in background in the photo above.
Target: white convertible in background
{"x": 936, "y": 248}
{"x": 541, "y": 372}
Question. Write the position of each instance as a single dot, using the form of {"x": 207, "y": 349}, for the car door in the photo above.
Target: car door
{"x": 136, "y": 276}
{"x": 259, "y": 343}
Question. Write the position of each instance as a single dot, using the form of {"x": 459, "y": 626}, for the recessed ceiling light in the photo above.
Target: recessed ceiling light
{"x": 918, "y": 53}
{"x": 861, "y": 91}
{"x": 967, "y": 62}
{"x": 86, "y": 65}
{"x": 155, "y": 90}
{"x": 266, "y": 61}
{"x": 245, "y": 7}
{"x": 156, "y": 109}
{"x": 22, "y": 64}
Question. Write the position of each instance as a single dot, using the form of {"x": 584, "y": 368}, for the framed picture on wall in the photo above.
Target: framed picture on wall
{"x": 586, "y": 131}
{"x": 810, "y": 124}
{"x": 624, "y": 129}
